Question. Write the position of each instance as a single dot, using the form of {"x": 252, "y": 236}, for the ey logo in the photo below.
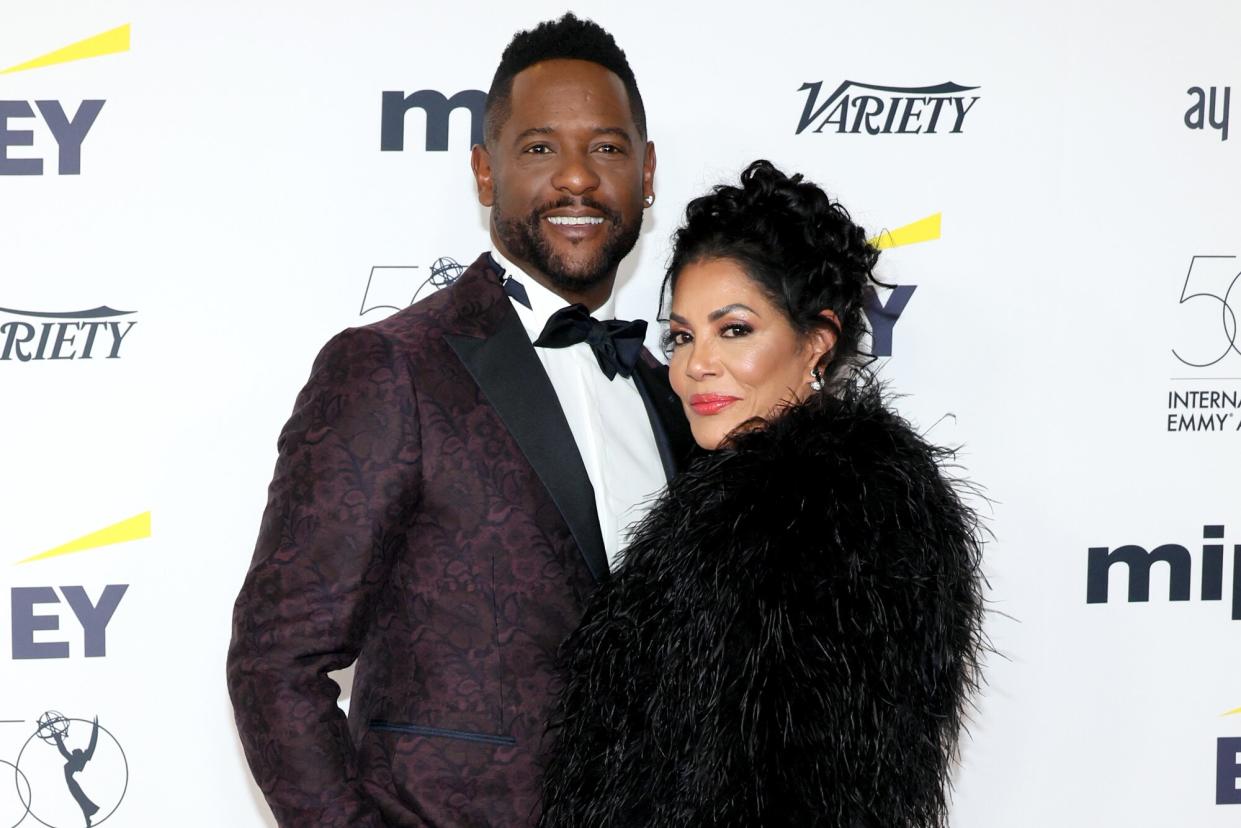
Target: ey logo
{"x": 67, "y": 131}
{"x": 1228, "y": 767}
{"x": 32, "y": 611}
{"x": 882, "y": 315}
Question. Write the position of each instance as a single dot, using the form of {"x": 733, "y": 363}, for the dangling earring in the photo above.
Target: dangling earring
{"x": 816, "y": 383}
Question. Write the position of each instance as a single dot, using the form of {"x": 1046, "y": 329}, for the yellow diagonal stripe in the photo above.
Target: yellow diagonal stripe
{"x": 105, "y": 43}
{"x": 134, "y": 528}
{"x": 1233, "y": 712}
{"x": 926, "y": 229}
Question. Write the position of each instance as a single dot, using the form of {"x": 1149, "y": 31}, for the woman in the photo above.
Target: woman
{"x": 795, "y": 629}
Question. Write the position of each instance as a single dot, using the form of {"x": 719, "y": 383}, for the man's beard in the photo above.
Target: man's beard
{"x": 524, "y": 239}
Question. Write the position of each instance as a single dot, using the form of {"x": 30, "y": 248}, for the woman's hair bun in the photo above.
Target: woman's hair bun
{"x": 801, "y": 247}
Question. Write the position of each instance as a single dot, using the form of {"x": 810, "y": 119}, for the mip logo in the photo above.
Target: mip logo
{"x": 36, "y": 613}
{"x": 394, "y": 287}
{"x": 1139, "y": 561}
{"x": 436, "y": 106}
{"x": 67, "y": 131}
{"x": 66, "y": 772}
{"x": 902, "y": 110}
{"x": 63, "y": 335}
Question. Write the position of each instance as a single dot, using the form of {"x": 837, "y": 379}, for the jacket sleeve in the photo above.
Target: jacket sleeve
{"x": 345, "y": 482}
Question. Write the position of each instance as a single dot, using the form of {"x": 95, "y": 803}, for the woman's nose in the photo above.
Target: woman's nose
{"x": 701, "y": 363}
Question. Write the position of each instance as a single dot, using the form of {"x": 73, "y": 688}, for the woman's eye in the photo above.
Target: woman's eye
{"x": 735, "y": 330}
{"x": 675, "y": 339}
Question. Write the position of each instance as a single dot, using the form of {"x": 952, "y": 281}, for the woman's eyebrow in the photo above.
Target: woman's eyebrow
{"x": 727, "y": 309}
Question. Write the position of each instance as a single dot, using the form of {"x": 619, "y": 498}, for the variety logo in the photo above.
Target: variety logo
{"x": 67, "y": 772}
{"x": 1206, "y": 331}
{"x": 1210, "y": 108}
{"x": 67, "y": 131}
{"x": 394, "y": 287}
{"x": 35, "y": 611}
{"x": 36, "y": 336}
{"x": 1138, "y": 562}
{"x": 855, "y": 107}
{"x": 436, "y": 106}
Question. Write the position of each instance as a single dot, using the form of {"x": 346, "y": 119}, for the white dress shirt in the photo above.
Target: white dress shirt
{"x": 607, "y": 417}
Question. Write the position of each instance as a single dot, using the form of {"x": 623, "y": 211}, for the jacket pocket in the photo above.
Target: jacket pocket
{"x": 423, "y": 730}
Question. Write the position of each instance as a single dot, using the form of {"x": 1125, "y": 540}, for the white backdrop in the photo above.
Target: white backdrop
{"x": 233, "y": 198}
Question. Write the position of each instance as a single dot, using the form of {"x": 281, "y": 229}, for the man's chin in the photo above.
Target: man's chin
{"x": 575, "y": 280}
{"x": 577, "y": 271}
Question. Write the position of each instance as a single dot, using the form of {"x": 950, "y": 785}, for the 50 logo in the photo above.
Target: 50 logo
{"x": 1207, "y": 300}
{"x": 396, "y": 287}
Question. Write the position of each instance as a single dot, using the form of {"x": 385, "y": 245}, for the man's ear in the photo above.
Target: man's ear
{"x": 480, "y": 163}
{"x": 648, "y": 171}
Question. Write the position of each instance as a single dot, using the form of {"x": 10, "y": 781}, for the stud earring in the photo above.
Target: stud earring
{"x": 816, "y": 382}
{"x": 649, "y": 200}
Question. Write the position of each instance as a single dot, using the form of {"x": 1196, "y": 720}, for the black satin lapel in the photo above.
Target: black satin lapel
{"x": 511, "y": 377}
{"x": 668, "y": 424}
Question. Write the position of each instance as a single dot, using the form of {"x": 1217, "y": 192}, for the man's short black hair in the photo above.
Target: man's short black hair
{"x": 569, "y": 37}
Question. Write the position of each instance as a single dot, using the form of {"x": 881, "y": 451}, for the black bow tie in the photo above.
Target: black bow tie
{"x": 617, "y": 345}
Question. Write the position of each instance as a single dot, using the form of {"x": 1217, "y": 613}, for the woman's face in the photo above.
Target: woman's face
{"x": 734, "y": 355}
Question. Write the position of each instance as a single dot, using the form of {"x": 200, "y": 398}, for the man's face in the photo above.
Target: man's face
{"x": 566, "y": 177}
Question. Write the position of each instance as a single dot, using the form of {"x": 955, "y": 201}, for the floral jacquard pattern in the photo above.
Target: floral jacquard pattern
{"x": 406, "y": 529}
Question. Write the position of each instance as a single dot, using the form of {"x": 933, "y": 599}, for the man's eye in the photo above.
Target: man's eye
{"x": 538, "y": 149}
{"x": 609, "y": 148}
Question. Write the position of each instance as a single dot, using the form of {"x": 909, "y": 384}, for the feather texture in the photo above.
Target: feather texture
{"x": 791, "y": 639}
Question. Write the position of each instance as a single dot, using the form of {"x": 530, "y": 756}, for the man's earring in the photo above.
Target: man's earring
{"x": 816, "y": 383}
{"x": 649, "y": 200}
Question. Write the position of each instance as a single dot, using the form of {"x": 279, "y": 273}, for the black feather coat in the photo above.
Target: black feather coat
{"x": 791, "y": 639}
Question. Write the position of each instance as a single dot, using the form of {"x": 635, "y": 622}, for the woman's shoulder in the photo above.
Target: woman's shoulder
{"x": 859, "y": 429}
{"x": 830, "y": 477}
{"x": 825, "y": 452}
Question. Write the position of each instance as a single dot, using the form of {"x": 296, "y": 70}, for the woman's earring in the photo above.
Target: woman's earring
{"x": 816, "y": 383}
{"x": 649, "y": 200}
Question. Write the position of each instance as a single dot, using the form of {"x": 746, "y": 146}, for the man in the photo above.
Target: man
{"x": 447, "y": 494}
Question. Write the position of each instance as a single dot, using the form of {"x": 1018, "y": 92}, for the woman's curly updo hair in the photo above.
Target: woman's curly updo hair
{"x": 800, "y": 247}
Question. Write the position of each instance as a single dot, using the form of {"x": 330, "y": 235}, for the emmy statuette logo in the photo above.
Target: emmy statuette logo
{"x": 69, "y": 772}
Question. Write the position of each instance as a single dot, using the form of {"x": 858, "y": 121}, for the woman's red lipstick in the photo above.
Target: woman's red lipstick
{"x": 708, "y": 404}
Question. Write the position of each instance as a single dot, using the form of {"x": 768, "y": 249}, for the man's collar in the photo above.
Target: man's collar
{"x": 543, "y": 302}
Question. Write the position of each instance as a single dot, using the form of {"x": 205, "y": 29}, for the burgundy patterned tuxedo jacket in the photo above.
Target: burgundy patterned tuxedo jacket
{"x": 431, "y": 518}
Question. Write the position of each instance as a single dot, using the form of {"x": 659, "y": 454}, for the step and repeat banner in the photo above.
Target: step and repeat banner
{"x": 194, "y": 199}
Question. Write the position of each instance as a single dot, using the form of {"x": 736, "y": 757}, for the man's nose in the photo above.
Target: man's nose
{"x": 575, "y": 175}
